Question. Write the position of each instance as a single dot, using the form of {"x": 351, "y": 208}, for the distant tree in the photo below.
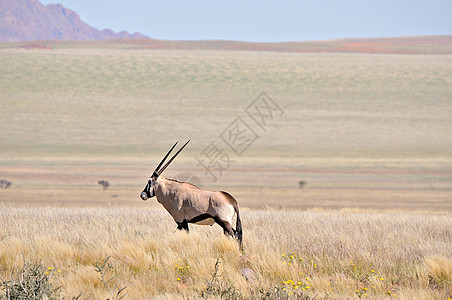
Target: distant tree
{"x": 105, "y": 184}
{"x": 301, "y": 184}
{"x": 5, "y": 183}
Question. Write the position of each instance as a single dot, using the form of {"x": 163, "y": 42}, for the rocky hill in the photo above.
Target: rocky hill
{"x": 30, "y": 20}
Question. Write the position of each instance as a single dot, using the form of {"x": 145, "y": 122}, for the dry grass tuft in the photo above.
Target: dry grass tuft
{"x": 226, "y": 247}
{"x": 439, "y": 271}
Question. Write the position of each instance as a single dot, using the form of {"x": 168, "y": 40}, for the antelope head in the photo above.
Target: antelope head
{"x": 149, "y": 189}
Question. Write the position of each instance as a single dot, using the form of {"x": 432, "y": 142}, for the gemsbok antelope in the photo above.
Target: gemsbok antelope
{"x": 187, "y": 203}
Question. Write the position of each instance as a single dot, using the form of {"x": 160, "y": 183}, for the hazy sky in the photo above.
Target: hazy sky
{"x": 262, "y": 20}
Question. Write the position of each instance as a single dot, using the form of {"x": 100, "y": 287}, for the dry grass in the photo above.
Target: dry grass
{"x": 330, "y": 253}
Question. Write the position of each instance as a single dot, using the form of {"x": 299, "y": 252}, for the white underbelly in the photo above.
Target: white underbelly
{"x": 208, "y": 221}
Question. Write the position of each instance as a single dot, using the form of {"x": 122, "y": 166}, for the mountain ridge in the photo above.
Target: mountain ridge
{"x": 30, "y": 20}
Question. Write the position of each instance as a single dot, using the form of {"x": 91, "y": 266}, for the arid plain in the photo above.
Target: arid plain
{"x": 368, "y": 134}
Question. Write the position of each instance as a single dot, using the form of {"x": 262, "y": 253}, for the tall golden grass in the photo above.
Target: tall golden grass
{"x": 335, "y": 254}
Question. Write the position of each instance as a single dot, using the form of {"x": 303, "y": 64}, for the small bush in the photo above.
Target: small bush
{"x": 110, "y": 281}
{"x": 217, "y": 287}
{"x": 32, "y": 281}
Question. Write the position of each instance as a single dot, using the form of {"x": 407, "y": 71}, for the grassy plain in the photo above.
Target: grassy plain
{"x": 370, "y": 134}
{"x": 323, "y": 254}
{"x": 366, "y": 129}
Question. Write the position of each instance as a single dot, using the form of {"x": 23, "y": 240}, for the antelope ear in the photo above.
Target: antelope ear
{"x": 155, "y": 176}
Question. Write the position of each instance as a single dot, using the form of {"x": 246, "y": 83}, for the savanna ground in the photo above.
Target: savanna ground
{"x": 334, "y": 254}
{"x": 370, "y": 134}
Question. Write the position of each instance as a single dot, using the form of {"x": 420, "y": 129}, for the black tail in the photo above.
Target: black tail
{"x": 238, "y": 227}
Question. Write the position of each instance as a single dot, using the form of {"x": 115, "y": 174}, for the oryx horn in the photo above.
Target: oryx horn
{"x": 172, "y": 158}
{"x": 155, "y": 173}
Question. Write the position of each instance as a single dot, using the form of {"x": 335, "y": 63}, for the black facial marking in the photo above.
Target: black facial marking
{"x": 146, "y": 190}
